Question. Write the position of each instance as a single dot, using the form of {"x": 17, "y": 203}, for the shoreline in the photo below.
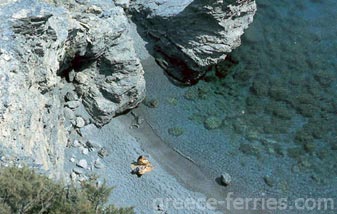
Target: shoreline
{"x": 173, "y": 178}
{"x": 182, "y": 167}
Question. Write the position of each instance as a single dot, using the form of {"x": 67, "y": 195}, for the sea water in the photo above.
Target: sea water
{"x": 271, "y": 122}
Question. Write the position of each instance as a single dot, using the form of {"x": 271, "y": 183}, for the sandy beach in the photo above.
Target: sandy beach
{"x": 173, "y": 178}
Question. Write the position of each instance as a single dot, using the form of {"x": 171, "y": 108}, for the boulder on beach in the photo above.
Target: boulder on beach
{"x": 191, "y": 37}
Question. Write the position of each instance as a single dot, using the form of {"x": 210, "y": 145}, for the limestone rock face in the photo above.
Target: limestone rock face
{"x": 192, "y": 36}
{"x": 41, "y": 46}
{"x": 109, "y": 76}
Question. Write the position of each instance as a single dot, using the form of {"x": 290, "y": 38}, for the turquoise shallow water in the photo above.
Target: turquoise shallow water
{"x": 272, "y": 121}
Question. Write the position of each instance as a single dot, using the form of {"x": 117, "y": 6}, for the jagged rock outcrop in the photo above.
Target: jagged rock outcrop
{"x": 192, "y": 36}
{"x": 107, "y": 73}
{"x": 41, "y": 45}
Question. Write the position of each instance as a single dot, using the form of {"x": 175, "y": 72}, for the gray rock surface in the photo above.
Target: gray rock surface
{"x": 80, "y": 122}
{"x": 192, "y": 36}
{"x": 71, "y": 96}
{"x": 123, "y": 3}
{"x": 83, "y": 164}
{"x": 41, "y": 46}
{"x": 226, "y": 179}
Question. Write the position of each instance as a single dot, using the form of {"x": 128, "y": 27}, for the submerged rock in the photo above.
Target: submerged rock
{"x": 249, "y": 149}
{"x": 226, "y": 179}
{"x": 176, "y": 131}
{"x": 151, "y": 103}
{"x": 269, "y": 181}
{"x": 212, "y": 123}
{"x": 192, "y": 36}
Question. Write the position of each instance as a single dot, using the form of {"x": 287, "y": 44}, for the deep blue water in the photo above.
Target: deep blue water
{"x": 277, "y": 105}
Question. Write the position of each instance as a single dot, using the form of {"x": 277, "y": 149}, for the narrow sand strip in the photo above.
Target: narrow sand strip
{"x": 176, "y": 163}
{"x": 145, "y": 193}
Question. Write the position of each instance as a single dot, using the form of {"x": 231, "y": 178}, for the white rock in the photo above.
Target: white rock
{"x": 80, "y": 122}
{"x": 73, "y": 176}
{"x": 85, "y": 151}
{"x": 94, "y": 9}
{"x": 76, "y": 143}
{"x": 98, "y": 164}
{"x": 81, "y": 78}
{"x": 73, "y": 104}
{"x": 71, "y": 75}
{"x": 122, "y": 3}
{"x": 83, "y": 164}
{"x": 6, "y": 57}
{"x": 71, "y": 96}
{"x": 72, "y": 160}
{"x": 226, "y": 179}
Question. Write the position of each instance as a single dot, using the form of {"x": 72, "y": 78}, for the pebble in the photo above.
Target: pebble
{"x": 71, "y": 96}
{"x": 78, "y": 171}
{"x": 85, "y": 151}
{"x": 71, "y": 75}
{"x": 102, "y": 153}
{"x": 226, "y": 179}
{"x": 73, "y": 175}
{"x": 6, "y": 57}
{"x": 80, "y": 122}
{"x": 69, "y": 114}
{"x": 83, "y": 164}
{"x": 91, "y": 145}
{"x": 73, "y": 122}
{"x": 73, "y": 104}
{"x": 81, "y": 78}
{"x": 269, "y": 181}
{"x": 76, "y": 143}
{"x": 98, "y": 164}
{"x": 72, "y": 160}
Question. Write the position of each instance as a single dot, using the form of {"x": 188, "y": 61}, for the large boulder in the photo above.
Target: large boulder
{"x": 190, "y": 37}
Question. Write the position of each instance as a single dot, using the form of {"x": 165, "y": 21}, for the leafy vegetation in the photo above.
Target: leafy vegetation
{"x": 26, "y": 192}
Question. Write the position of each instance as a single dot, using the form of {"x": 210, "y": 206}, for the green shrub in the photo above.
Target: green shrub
{"x": 26, "y": 192}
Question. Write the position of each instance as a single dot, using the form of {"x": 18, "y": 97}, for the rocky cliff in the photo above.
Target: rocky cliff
{"x": 190, "y": 37}
{"x": 57, "y": 55}
{"x": 45, "y": 51}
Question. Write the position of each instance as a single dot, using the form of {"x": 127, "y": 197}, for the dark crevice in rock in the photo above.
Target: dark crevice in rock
{"x": 76, "y": 64}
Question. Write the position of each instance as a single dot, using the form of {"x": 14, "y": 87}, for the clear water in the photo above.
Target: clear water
{"x": 274, "y": 115}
